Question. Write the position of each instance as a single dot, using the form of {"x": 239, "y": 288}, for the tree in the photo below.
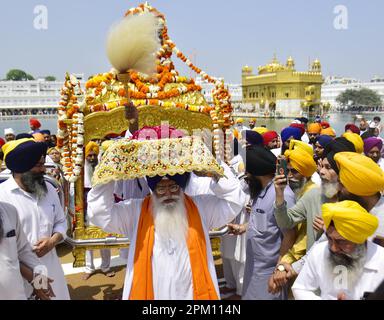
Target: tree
{"x": 361, "y": 97}
{"x": 18, "y": 75}
{"x": 50, "y": 78}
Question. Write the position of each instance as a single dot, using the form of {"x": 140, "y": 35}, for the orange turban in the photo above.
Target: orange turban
{"x": 39, "y": 137}
{"x": 91, "y": 146}
{"x": 328, "y": 132}
{"x": 314, "y": 128}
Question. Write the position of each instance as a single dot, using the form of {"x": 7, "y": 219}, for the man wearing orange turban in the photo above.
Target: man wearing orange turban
{"x": 313, "y": 132}
{"x": 39, "y": 137}
{"x": 361, "y": 180}
{"x": 347, "y": 265}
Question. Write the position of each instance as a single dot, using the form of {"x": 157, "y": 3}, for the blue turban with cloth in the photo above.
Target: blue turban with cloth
{"x": 180, "y": 179}
{"x": 22, "y": 155}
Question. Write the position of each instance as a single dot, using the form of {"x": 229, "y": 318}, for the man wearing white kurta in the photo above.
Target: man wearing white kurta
{"x": 347, "y": 266}
{"x": 14, "y": 248}
{"x": 171, "y": 265}
{"x": 38, "y": 206}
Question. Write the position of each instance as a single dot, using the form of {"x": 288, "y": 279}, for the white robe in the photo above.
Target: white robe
{"x": 317, "y": 275}
{"x": 40, "y": 219}
{"x": 172, "y": 278}
{"x": 13, "y": 250}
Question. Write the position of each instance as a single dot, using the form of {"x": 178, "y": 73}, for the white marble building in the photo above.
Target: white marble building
{"x": 333, "y": 86}
{"x": 37, "y": 94}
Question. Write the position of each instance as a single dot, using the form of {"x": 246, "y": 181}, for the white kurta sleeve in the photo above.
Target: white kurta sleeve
{"x": 226, "y": 203}
{"x": 108, "y": 215}
{"x": 60, "y": 222}
{"x": 24, "y": 249}
{"x": 308, "y": 281}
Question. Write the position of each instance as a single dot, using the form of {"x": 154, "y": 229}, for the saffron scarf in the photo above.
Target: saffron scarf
{"x": 142, "y": 286}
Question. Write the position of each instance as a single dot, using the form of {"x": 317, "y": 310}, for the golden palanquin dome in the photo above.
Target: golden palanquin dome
{"x": 166, "y": 89}
{"x": 165, "y": 96}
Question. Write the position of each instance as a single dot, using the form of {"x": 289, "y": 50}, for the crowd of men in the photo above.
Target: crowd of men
{"x": 304, "y": 210}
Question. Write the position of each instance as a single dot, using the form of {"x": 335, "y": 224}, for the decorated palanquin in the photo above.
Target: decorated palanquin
{"x": 98, "y": 111}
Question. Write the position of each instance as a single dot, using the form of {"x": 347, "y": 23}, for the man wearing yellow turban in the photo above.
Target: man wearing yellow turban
{"x": 252, "y": 123}
{"x": 308, "y": 208}
{"x": 356, "y": 140}
{"x": 347, "y": 265}
{"x": 301, "y": 167}
{"x": 239, "y": 125}
{"x": 91, "y": 148}
{"x": 260, "y": 130}
{"x": 361, "y": 180}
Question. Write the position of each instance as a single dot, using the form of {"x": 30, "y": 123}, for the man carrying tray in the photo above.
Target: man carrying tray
{"x": 170, "y": 253}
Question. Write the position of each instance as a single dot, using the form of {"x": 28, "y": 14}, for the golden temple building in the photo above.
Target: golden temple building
{"x": 281, "y": 91}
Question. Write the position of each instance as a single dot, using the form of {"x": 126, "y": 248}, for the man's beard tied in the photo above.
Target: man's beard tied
{"x": 353, "y": 262}
{"x": 171, "y": 222}
{"x": 34, "y": 183}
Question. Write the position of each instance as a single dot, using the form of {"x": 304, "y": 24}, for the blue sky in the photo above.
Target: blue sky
{"x": 224, "y": 35}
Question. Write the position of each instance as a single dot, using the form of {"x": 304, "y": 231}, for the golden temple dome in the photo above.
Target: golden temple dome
{"x": 246, "y": 69}
{"x": 290, "y": 63}
{"x": 316, "y": 65}
{"x": 273, "y": 66}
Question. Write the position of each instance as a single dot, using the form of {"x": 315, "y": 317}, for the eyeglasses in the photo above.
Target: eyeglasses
{"x": 162, "y": 190}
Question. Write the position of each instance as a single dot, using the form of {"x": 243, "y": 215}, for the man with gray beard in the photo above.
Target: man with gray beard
{"x": 308, "y": 207}
{"x": 347, "y": 266}
{"x": 38, "y": 206}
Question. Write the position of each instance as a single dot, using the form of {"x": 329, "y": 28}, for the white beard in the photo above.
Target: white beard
{"x": 355, "y": 269}
{"x": 329, "y": 189}
{"x": 170, "y": 218}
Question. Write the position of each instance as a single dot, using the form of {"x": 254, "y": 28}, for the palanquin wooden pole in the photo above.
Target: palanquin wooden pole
{"x": 130, "y": 111}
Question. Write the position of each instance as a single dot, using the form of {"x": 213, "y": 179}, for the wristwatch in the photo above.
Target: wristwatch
{"x": 281, "y": 268}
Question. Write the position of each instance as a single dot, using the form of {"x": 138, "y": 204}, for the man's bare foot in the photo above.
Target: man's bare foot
{"x": 86, "y": 276}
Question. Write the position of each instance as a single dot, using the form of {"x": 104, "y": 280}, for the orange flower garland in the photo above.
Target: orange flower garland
{"x": 70, "y": 134}
{"x": 152, "y": 90}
